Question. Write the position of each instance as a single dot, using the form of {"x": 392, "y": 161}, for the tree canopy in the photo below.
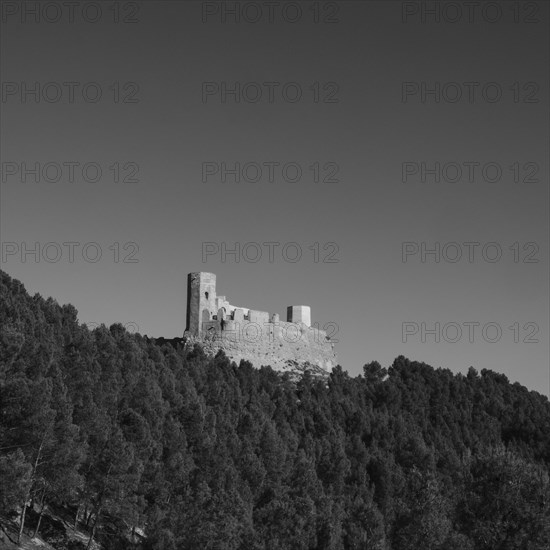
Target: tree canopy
{"x": 157, "y": 447}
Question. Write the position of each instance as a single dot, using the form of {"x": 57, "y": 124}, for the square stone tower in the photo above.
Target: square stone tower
{"x": 299, "y": 314}
{"x": 201, "y": 300}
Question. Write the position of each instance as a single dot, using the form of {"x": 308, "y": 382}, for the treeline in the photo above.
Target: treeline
{"x": 157, "y": 448}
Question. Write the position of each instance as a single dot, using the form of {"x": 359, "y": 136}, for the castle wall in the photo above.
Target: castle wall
{"x": 253, "y": 335}
{"x": 274, "y": 344}
{"x": 260, "y": 317}
{"x": 221, "y": 302}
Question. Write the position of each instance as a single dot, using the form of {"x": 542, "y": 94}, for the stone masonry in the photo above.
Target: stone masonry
{"x": 256, "y": 336}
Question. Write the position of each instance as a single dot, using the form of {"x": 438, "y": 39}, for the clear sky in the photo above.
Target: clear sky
{"x": 388, "y": 95}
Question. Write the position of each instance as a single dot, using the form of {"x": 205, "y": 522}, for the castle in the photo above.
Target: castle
{"x": 256, "y": 336}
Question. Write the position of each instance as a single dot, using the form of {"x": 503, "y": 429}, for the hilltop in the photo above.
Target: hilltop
{"x": 150, "y": 446}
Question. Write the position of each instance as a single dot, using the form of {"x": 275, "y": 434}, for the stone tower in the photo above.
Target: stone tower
{"x": 201, "y": 300}
{"x": 299, "y": 314}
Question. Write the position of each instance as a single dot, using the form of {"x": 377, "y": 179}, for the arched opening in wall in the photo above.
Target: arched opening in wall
{"x": 206, "y": 295}
{"x": 221, "y": 317}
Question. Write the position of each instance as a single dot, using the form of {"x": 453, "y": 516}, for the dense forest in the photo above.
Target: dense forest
{"x": 150, "y": 447}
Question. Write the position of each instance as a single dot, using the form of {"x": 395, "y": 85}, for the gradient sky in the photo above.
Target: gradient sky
{"x": 369, "y": 212}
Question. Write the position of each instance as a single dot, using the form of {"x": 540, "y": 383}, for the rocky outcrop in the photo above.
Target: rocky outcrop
{"x": 285, "y": 347}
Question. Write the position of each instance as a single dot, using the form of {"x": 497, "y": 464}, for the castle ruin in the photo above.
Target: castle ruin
{"x": 256, "y": 336}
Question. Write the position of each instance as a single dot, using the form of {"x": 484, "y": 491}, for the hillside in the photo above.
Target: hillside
{"x": 156, "y": 447}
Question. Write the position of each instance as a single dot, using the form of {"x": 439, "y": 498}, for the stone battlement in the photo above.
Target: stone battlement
{"x": 257, "y": 336}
